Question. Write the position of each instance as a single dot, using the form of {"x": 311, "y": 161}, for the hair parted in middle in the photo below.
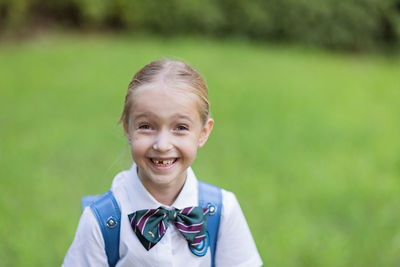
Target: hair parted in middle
{"x": 178, "y": 75}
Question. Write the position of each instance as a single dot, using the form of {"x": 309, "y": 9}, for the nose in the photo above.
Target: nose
{"x": 162, "y": 142}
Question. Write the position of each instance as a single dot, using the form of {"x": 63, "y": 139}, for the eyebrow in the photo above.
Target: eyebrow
{"x": 151, "y": 114}
{"x": 140, "y": 115}
{"x": 180, "y": 116}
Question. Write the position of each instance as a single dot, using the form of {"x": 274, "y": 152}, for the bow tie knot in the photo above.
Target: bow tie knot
{"x": 172, "y": 215}
{"x": 150, "y": 225}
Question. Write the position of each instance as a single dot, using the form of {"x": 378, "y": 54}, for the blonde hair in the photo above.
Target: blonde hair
{"x": 179, "y": 73}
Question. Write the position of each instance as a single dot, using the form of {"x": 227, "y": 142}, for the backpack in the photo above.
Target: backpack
{"x": 108, "y": 215}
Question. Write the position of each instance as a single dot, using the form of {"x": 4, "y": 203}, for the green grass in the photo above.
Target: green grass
{"x": 307, "y": 140}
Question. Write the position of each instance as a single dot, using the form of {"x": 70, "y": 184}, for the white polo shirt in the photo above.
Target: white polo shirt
{"x": 235, "y": 245}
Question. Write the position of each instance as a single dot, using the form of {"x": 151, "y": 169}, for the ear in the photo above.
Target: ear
{"x": 205, "y": 132}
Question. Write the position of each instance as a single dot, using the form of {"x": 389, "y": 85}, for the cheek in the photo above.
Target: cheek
{"x": 189, "y": 146}
{"x": 139, "y": 146}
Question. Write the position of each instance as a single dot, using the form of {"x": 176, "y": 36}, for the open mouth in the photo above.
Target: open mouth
{"x": 163, "y": 163}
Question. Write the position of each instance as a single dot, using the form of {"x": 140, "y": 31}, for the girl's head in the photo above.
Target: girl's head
{"x": 166, "y": 119}
{"x": 174, "y": 74}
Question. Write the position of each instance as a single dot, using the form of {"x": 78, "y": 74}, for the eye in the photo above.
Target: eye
{"x": 144, "y": 127}
{"x": 182, "y": 128}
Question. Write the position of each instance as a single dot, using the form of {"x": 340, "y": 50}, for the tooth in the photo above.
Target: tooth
{"x": 163, "y": 162}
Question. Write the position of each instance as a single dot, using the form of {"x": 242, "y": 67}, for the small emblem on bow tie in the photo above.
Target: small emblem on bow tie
{"x": 151, "y": 233}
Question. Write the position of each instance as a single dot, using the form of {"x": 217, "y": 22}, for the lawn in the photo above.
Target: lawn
{"x": 307, "y": 140}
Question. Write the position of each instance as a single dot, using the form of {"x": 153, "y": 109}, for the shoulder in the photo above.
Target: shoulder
{"x": 213, "y": 192}
{"x": 122, "y": 187}
{"x": 87, "y": 249}
{"x": 234, "y": 237}
{"x": 88, "y": 229}
{"x": 229, "y": 200}
{"x": 120, "y": 180}
{"x": 232, "y": 213}
{"x": 229, "y": 204}
{"x": 231, "y": 210}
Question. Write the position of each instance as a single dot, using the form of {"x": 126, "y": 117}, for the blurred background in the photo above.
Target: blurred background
{"x": 305, "y": 96}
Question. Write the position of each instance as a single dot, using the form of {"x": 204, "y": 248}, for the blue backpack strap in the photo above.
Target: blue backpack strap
{"x": 211, "y": 196}
{"x": 108, "y": 215}
{"x": 87, "y": 200}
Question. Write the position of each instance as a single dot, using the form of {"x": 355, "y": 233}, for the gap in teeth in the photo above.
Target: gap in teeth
{"x": 163, "y": 162}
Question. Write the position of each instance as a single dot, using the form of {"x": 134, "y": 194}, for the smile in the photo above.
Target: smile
{"x": 163, "y": 163}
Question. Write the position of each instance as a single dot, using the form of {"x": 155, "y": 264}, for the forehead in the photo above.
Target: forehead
{"x": 165, "y": 102}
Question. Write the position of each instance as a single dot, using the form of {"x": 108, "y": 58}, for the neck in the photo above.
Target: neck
{"x": 166, "y": 196}
{"x": 167, "y": 193}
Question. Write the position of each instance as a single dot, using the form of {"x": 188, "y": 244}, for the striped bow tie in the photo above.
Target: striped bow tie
{"x": 150, "y": 225}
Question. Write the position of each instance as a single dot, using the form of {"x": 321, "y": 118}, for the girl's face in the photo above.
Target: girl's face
{"x": 165, "y": 131}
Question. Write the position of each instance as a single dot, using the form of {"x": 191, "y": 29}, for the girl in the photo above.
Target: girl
{"x": 166, "y": 119}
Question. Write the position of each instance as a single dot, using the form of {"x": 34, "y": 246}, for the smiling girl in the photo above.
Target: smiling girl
{"x": 166, "y": 218}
